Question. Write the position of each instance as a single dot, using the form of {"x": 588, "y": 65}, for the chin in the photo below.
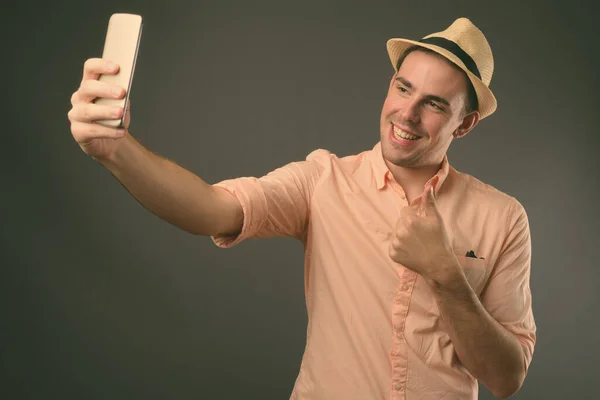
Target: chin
{"x": 404, "y": 162}
{"x": 396, "y": 157}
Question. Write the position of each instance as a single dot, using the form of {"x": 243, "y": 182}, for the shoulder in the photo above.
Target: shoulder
{"x": 326, "y": 158}
{"x": 486, "y": 195}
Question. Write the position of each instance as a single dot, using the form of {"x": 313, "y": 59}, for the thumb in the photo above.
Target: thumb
{"x": 428, "y": 206}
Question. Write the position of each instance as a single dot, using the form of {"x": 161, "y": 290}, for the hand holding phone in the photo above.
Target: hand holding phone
{"x": 121, "y": 47}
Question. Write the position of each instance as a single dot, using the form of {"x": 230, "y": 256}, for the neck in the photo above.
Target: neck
{"x": 413, "y": 180}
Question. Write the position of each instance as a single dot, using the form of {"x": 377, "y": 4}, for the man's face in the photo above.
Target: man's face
{"x": 425, "y": 100}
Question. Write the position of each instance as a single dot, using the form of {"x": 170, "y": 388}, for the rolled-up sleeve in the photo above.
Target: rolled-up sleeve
{"x": 507, "y": 296}
{"x": 277, "y": 204}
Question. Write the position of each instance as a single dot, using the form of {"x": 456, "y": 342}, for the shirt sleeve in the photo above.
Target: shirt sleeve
{"x": 507, "y": 296}
{"x": 277, "y": 204}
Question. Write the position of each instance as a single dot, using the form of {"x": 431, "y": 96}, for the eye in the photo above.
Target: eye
{"x": 402, "y": 89}
{"x": 435, "y": 105}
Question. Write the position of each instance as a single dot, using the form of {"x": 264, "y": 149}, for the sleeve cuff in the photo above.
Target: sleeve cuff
{"x": 249, "y": 193}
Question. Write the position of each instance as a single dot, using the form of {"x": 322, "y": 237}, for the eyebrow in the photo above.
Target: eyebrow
{"x": 429, "y": 96}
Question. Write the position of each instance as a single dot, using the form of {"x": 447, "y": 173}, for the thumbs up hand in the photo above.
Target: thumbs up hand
{"x": 420, "y": 241}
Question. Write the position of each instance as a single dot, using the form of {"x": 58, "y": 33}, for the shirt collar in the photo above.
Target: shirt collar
{"x": 382, "y": 172}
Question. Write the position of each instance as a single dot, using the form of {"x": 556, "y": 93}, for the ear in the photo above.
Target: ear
{"x": 468, "y": 122}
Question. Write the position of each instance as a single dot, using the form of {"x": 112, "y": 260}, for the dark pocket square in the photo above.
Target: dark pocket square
{"x": 471, "y": 254}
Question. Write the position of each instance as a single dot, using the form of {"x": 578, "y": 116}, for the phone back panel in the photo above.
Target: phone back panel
{"x": 121, "y": 46}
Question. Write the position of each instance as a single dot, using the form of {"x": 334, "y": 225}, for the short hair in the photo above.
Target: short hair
{"x": 472, "y": 103}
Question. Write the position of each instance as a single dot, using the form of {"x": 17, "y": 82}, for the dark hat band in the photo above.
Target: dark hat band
{"x": 454, "y": 49}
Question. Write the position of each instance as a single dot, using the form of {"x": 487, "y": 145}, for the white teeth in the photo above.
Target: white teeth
{"x": 399, "y": 133}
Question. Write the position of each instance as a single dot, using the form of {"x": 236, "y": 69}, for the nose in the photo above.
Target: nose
{"x": 411, "y": 111}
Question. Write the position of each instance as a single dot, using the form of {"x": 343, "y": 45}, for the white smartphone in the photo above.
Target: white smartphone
{"x": 121, "y": 46}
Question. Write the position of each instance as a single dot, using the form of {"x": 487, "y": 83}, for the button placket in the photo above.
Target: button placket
{"x": 400, "y": 310}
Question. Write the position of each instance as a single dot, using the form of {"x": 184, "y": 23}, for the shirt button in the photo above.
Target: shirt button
{"x": 398, "y": 386}
{"x": 404, "y": 287}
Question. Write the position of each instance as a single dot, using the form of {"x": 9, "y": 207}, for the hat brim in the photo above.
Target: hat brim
{"x": 485, "y": 97}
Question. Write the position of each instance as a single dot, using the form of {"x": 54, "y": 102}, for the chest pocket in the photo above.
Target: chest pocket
{"x": 475, "y": 270}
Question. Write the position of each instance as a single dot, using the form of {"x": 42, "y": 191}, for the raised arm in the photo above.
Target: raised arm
{"x": 161, "y": 186}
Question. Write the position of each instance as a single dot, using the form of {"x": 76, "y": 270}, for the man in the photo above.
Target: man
{"x": 417, "y": 275}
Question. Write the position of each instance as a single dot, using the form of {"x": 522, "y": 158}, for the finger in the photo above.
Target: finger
{"x": 89, "y": 112}
{"x": 84, "y": 132}
{"x": 427, "y": 203}
{"x": 391, "y": 251}
{"x": 75, "y": 98}
{"x": 94, "y": 67}
{"x": 395, "y": 251}
{"x": 403, "y": 227}
{"x": 90, "y": 90}
{"x": 424, "y": 202}
{"x": 393, "y": 248}
{"x": 432, "y": 209}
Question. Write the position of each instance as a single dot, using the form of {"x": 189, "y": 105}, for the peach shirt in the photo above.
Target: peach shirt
{"x": 374, "y": 329}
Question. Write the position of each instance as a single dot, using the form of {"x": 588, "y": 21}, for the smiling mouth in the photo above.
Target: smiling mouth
{"x": 400, "y": 134}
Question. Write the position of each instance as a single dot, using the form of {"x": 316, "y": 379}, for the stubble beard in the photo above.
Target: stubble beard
{"x": 394, "y": 156}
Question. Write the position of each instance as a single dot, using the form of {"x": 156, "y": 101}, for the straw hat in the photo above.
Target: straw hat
{"x": 466, "y": 46}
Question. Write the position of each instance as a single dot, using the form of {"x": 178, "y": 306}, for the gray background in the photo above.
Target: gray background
{"x": 101, "y": 299}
